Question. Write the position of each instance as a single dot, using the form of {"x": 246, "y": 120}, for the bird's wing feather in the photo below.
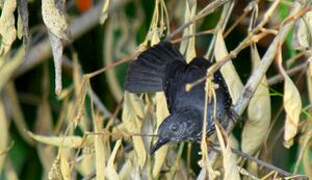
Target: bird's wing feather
{"x": 149, "y": 72}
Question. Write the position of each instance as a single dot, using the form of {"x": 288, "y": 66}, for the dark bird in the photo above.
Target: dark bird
{"x": 163, "y": 68}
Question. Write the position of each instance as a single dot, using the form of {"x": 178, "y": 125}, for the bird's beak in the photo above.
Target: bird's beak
{"x": 158, "y": 144}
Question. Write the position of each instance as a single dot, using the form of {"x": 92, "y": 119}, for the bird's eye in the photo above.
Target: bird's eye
{"x": 174, "y": 127}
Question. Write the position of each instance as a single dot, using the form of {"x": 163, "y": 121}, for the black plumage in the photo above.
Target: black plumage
{"x": 163, "y": 68}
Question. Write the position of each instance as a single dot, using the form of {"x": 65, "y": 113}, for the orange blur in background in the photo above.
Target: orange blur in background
{"x": 84, "y": 5}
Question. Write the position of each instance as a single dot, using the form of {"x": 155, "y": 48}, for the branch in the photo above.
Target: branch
{"x": 278, "y": 78}
{"x": 266, "y": 61}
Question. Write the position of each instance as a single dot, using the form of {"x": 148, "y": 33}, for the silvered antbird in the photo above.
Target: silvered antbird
{"x": 163, "y": 68}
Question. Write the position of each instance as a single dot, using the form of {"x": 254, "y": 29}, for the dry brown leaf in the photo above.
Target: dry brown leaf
{"x": 307, "y": 164}
{"x": 57, "y": 51}
{"x": 130, "y": 170}
{"x": 18, "y": 116}
{"x": 309, "y": 80}
{"x": 10, "y": 172}
{"x": 229, "y": 163}
{"x": 44, "y": 124}
{"x": 7, "y": 26}
{"x": 109, "y": 54}
{"x": 158, "y": 26}
{"x": 19, "y": 31}
{"x": 105, "y": 10}
{"x": 53, "y": 14}
{"x": 132, "y": 116}
{"x": 259, "y": 113}
{"x": 228, "y": 70}
{"x": 293, "y": 106}
{"x": 187, "y": 46}
{"x": 46, "y": 155}
{"x": 65, "y": 141}
{"x": 303, "y": 32}
{"x": 8, "y": 68}
{"x": 55, "y": 171}
{"x": 161, "y": 113}
{"x": 65, "y": 166}
{"x": 100, "y": 158}
{"x": 4, "y": 138}
{"x": 110, "y": 170}
{"x": 86, "y": 166}
{"x": 22, "y": 22}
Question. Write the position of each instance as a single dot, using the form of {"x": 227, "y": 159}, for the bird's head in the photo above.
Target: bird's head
{"x": 183, "y": 125}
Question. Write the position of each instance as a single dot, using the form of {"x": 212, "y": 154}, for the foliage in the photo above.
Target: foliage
{"x": 71, "y": 119}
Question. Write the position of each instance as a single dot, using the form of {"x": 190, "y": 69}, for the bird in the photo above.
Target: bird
{"x": 163, "y": 68}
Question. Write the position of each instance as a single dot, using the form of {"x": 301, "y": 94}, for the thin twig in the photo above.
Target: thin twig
{"x": 192, "y": 35}
{"x": 225, "y": 16}
{"x": 278, "y": 78}
{"x": 247, "y": 9}
{"x": 258, "y": 161}
{"x": 210, "y": 8}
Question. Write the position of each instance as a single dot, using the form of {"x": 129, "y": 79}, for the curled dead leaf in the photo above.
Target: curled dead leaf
{"x": 293, "y": 106}
{"x": 303, "y": 32}
{"x": 65, "y": 141}
{"x": 132, "y": 116}
{"x": 187, "y": 46}
{"x": 259, "y": 113}
{"x": 7, "y": 26}
{"x": 161, "y": 113}
{"x": 53, "y": 14}
{"x": 4, "y": 139}
{"x": 228, "y": 71}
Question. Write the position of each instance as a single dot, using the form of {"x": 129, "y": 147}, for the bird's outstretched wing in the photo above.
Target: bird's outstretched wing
{"x": 148, "y": 73}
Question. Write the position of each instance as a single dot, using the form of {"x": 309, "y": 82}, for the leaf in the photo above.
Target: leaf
{"x": 65, "y": 166}
{"x": 129, "y": 169}
{"x": 44, "y": 124}
{"x": 10, "y": 172}
{"x": 7, "y": 69}
{"x": 228, "y": 71}
{"x": 158, "y": 25}
{"x": 46, "y": 155}
{"x": 161, "y": 113}
{"x": 86, "y": 166}
{"x": 259, "y": 113}
{"x": 110, "y": 170}
{"x": 293, "y": 106}
{"x": 187, "y": 47}
{"x": 4, "y": 138}
{"x": 22, "y": 25}
{"x": 57, "y": 51}
{"x": 303, "y": 32}
{"x": 309, "y": 79}
{"x": 100, "y": 158}
{"x": 18, "y": 116}
{"x": 53, "y": 14}
{"x": 229, "y": 163}
{"x": 55, "y": 171}
{"x": 66, "y": 141}
{"x": 132, "y": 116}
{"x": 7, "y": 28}
{"x": 105, "y": 11}
{"x": 109, "y": 54}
